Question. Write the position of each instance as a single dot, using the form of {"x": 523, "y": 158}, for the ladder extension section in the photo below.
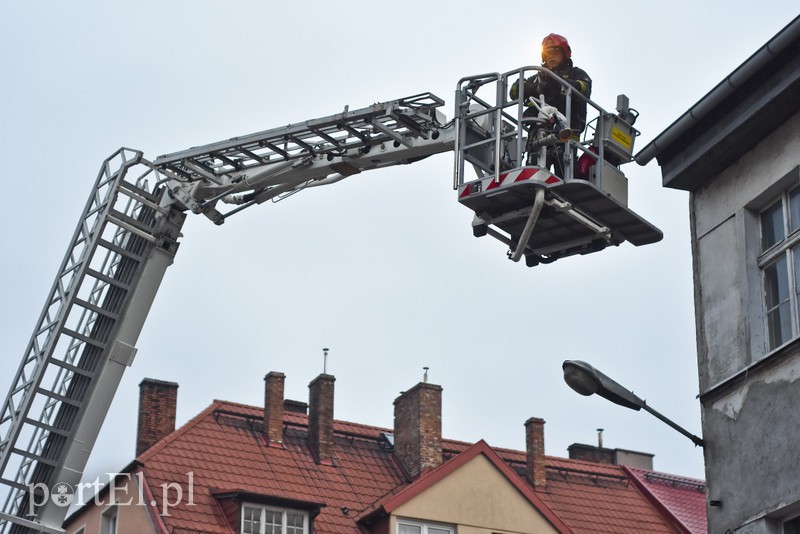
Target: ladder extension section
{"x": 83, "y": 341}
{"x": 272, "y": 164}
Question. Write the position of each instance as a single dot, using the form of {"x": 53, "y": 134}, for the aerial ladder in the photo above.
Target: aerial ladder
{"x": 130, "y": 227}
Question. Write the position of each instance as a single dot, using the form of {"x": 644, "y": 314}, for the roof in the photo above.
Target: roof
{"x": 617, "y": 506}
{"x": 595, "y": 498}
{"x": 683, "y": 498}
{"x": 224, "y": 450}
{"x": 756, "y": 98}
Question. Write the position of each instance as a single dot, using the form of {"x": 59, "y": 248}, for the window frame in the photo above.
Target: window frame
{"x": 109, "y": 520}
{"x": 424, "y": 525}
{"x": 282, "y": 510}
{"x": 786, "y": 248}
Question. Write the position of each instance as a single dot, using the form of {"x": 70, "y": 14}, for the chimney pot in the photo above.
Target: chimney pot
{"x": 157, "y": 405}
{"x": 534, "y": 446}
{"x": 273, "y": 407}
{"x": 418, "y": 428}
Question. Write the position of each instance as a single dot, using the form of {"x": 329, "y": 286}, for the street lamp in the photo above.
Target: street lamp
{"x": 587, "y": 381}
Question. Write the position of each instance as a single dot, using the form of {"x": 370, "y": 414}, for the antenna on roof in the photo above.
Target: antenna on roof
{"x": 425, "y": 376}
{"x": 325, "y": 361}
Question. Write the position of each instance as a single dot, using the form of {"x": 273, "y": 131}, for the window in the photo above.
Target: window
{"x": 414, "y": 527}
{"x": 780, "y": 265}
{"x": 792, "y": 526}
{"x": 268, "y": 520}
{"x": 108, "y": 521}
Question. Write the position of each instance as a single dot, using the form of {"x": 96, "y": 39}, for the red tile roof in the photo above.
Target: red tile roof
{"x": 590, "y": 497}
{"x": 682, "y": 498}
{"x": 224, "y": 450}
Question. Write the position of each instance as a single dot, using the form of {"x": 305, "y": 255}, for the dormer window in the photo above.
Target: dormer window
{"x": 259, "y": 519}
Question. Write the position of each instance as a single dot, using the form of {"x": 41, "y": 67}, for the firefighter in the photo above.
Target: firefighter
{"x": 557, "y": 57}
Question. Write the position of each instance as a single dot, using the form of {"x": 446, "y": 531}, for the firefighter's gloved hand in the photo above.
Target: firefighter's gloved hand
{"x": 546, "y": 83}
{"x": 514, "y": 91}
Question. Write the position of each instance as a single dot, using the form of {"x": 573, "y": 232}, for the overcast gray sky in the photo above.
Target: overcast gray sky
{"x": 382, "y": 267}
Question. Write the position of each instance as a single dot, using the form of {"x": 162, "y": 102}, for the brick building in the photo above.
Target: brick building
{"x": 290, "y": 468}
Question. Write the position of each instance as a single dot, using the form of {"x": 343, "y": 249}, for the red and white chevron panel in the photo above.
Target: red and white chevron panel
{"x": 522, "y": 174}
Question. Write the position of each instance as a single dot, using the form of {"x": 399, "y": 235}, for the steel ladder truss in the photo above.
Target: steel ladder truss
{"x": 273, "y": 164}
{"x": 84, "y": 340}
{"x": 126, "y": 239}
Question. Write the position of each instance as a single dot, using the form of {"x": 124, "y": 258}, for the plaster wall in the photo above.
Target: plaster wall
{"x": 478, "y": 499}
{"x": 730, "y": 320}
{"x": 751, "y": 424}
{"x": 752, "y": 448}
{"x": 768, "y": 160}
{"x": 131, "y": 511}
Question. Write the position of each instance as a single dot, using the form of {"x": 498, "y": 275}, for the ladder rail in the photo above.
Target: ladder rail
{"x": 352, "y": 130}
{"x": 276, "y": 163}
{"x": 78, "y": 336}
{"x": 57, "y": 295}
{"x": 28, "y": 380}
{"x": 86, "y": 323}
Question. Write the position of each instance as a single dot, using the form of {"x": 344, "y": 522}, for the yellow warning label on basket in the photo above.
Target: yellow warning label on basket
{"x": 622, "y": 138}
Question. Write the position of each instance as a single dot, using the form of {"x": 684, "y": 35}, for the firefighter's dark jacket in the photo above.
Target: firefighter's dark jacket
{"x": 555, "y": 93}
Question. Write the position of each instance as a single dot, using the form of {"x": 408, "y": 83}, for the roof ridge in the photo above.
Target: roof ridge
{"x": 615, "y": 467}
{"x": 295, "y": 414}
{"x": 234, "y": 403}
{"x": 668, "y": 475}
{"x": 550, "y": 460}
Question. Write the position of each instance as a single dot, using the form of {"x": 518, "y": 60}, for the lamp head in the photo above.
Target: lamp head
{"x": 581, "y": 377}
{"x": 587, "y": 380}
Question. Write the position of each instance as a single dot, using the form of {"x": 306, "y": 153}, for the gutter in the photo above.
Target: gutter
{"x": 725, "y": 88}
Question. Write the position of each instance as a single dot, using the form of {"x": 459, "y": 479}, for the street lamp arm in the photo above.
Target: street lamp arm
{"x": 700, "y": 442}
{"x": 587, "y": 380}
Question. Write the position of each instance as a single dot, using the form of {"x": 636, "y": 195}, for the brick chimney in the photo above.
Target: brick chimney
{"x": 418, "y": 428}
{"x": 273, "y": 408}
{"x": 320, "y": 418}
{"x": 157, "y": 403}
{"x": 534, "y": 446}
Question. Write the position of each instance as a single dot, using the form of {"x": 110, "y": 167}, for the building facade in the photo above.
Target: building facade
{"x": 737, "y": 152}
